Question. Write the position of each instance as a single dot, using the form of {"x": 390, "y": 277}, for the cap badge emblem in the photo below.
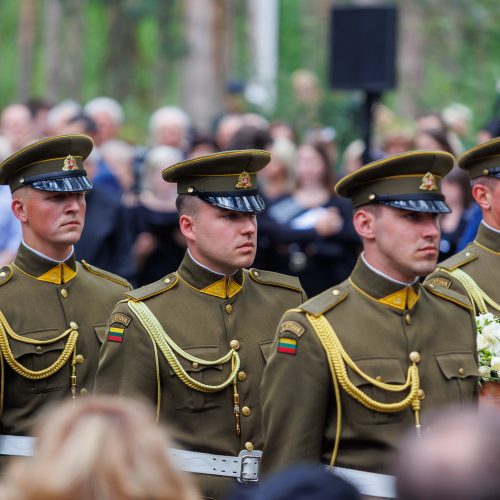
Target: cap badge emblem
{"x": 70, "y": 163}
{"x": 428, "y": 183}
{"x": 244, "y": 181}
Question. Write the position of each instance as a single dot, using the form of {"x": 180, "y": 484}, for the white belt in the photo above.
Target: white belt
{"x": 22, "y": 446}
{"x": 368, "y": 483}
{"x": 244, "y": 467}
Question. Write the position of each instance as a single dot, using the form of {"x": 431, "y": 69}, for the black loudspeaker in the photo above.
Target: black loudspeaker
{"x": 363, "y": 48}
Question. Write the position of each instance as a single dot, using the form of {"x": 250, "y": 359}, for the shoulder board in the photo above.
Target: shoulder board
{"x": 160, "y": 286}
{"x": 106, "y": 274}
{"x": 325, "y": 300}
{"x": 468, "y": 254}
{"x": 277, "y": 279}
{"x": 5, "y": 274}
{"x": 440, "y": 287}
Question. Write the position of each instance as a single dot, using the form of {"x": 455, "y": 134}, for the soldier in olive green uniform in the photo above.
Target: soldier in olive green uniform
{"x": 53, "y": 309}
{"x": 358, "y": 365}
{"x": 477, "y": 267}
{"x": 196, "y": 342}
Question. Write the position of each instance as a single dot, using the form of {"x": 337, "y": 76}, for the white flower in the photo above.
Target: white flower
{"x": 495, "y": 363}
{"x": 484, "y": 319}
{"x": 485, "y": 371}
{"x": 492, "y": 333}
{"x": 482, "y": 342}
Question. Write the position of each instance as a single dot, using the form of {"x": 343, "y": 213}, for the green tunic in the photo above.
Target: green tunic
{"x": 205, "y": 314}
{"x": 379, "y": 323}
{"x": 40, "y": 300}
{"x": 481, "y": 261}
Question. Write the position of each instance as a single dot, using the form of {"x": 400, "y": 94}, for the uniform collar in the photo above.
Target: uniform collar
{"x": 382, "y": 289}
{"x": 42, "y": 268}
{"x": 206, "y": 281}
{"x": 488, "y": 238}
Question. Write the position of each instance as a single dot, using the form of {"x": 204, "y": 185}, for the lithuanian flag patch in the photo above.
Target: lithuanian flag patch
{"x": 287, "y": 346}
{"x": 115, "y": 334}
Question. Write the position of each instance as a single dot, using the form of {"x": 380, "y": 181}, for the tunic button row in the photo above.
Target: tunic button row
{"x": 246, "y": 411}
{"x": 242, "y": 376}
{"x": 73, "y": 325}
{"x": 408, "y": 318}
{"x": 229, "y": 308}
{"x": 249, "y": 446}
{"x": 79, "y": 359}
{"x": 234, "y": 344}
{"x": 195, "y": 365}
{"x": 38, "y": 348}
{"x": 414, "y": 356}
{"x": 64, "y": 292}
{"x": 461, "y": 371}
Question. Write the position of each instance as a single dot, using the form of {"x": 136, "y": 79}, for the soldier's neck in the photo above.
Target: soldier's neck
{"x": 385, "y": 275}
{"x": 53, "y": 257}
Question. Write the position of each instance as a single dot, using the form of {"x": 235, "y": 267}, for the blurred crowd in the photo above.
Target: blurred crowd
{"x": 306, "y": 230}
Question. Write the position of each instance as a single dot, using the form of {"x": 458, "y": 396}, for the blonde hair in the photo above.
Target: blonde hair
{"x": 102, "y": 448}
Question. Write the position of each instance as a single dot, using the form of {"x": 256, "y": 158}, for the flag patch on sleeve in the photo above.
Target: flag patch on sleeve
{"x": 287, "y": 346}
{"x": 115, "y": 334}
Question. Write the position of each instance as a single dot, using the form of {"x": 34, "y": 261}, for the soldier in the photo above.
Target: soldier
{"x": 365, "y": 358}
{"x": 53, "y": 308}
{"x": 477, "y": 267}
{"x": 195, "y": 343}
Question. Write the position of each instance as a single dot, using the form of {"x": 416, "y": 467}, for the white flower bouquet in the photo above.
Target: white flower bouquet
{"x": 488, "y": 346}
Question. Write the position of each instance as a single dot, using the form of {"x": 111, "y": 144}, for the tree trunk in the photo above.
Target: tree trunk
{"x": 26, "y": 38}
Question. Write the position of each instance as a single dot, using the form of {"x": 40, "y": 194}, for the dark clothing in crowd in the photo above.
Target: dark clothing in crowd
{"x": 449, "y": 241}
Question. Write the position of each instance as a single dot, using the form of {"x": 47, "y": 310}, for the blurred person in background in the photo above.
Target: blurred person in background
{"x": 16, "y": 126}
{"x": 225, "y": 129}
{"x": 159, "y": 245}
{"x": 10, "y": 228}
{"x": 39, "y": 109}
{"x": 108, "y": 116}
{"x": 458, "y": 119}
{"x": 202, "y": 144}
{"x": 101, "y": 448}
{"x": 456, "y": 458}
{"x": 432, "y": 140}
{"x": 170, "y": 126}
{"x": 321, "y": 261}
{"x": 60, "y": 115}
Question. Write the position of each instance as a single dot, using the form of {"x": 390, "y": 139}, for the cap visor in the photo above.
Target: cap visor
{"x": 64, "y": 184}
{"x": 248, "y": 204}
{"x": 428, "y": 206}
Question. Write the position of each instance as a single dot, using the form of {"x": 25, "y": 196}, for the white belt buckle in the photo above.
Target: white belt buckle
{"x": 249, "y": 466}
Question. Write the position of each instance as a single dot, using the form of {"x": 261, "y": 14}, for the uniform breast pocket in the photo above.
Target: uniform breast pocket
{"x": 100, "y": 332}
{"x": 461, "y": 368}
{"x": 36, "y": 357}
{"x": 188, "y": 399}
{"x": 266, "y": 348}
{"x": 387, "y": 370}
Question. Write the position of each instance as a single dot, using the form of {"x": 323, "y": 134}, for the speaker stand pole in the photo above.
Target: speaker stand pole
{"x": 371, "y": 99}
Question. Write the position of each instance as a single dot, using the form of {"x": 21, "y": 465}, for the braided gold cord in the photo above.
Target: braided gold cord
{"x": 6, "y": 331}
{"x": 475, "y": 293}
{"x": 337, "y": 360}
{"x": 168, "y": 346}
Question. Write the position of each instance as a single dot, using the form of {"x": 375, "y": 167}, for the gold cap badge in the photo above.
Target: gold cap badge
{"x": 428, "y": 183}
{"x": 244, "y": 181}
{"x": 70, "y": 163}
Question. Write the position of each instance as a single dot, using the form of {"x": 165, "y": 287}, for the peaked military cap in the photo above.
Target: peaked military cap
{"x": 483, "y": 159}
{"x": 52, "y": 164}
{"x": 408, "y": 181}
{"x": 226, "y": 180}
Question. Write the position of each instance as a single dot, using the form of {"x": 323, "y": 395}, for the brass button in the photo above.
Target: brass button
{"x": 335, "y": 292}
{"x": 38, "y": 348}
{"x": 256, "y": 273}
{"x": 486, "y": 172}
{"x": 378, "y": 378}
{"x": 83, "y": 392}
{"x": 21, "y": 180}
{"x": 229, "y": 308}
{"x": 246, "y": 411}
{"x": 166, "y": 280}
{"x": 421, "y": 394}
{"x": 64, "y": 292}
{"x": 461, "y": 371}
{"x": 195, "y": 364}
{"x": 249, "y": 446}
{"x": 372, "y": 196}
{"x": 79, "y": 358}
{"x": 234, "y": 344}
{"x": 408, "y": 318}
{"x": 242, "y": 376}
{"x": 414, "y": 356}
{"x": 190, "y": 190}
{"x": 73, "y": 325}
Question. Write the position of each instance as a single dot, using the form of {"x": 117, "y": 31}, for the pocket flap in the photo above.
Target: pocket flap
{"x": 207, "y": 353}
{"x": 457, "y": 364}
{"x": 266, "y": 348}
{"x": 20, "y": 348}
{"x": 387, "y": 370}
{"x": 100, "y": 331}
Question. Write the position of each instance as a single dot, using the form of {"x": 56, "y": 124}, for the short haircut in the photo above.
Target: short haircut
{"x": 485, "y": 180}
{"x": 187, "y": 204}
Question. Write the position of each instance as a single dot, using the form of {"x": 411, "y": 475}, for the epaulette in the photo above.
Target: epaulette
{"x": 105, "y": 274}
{"x": 441, "y": 287}
{"x": 5, "y": 274}
{"x": 468, "y": 254}
{"x": 155, "y": 288}
{"x": 277, "y": 279}
{"x": 325, "y": 300}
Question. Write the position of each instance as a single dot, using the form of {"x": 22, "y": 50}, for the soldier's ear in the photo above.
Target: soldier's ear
{"x": 186, "y": 224}
{"x": 483, "y": 195}
{"x": 364, "y": 221}
{"x": 18, "y": 206}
